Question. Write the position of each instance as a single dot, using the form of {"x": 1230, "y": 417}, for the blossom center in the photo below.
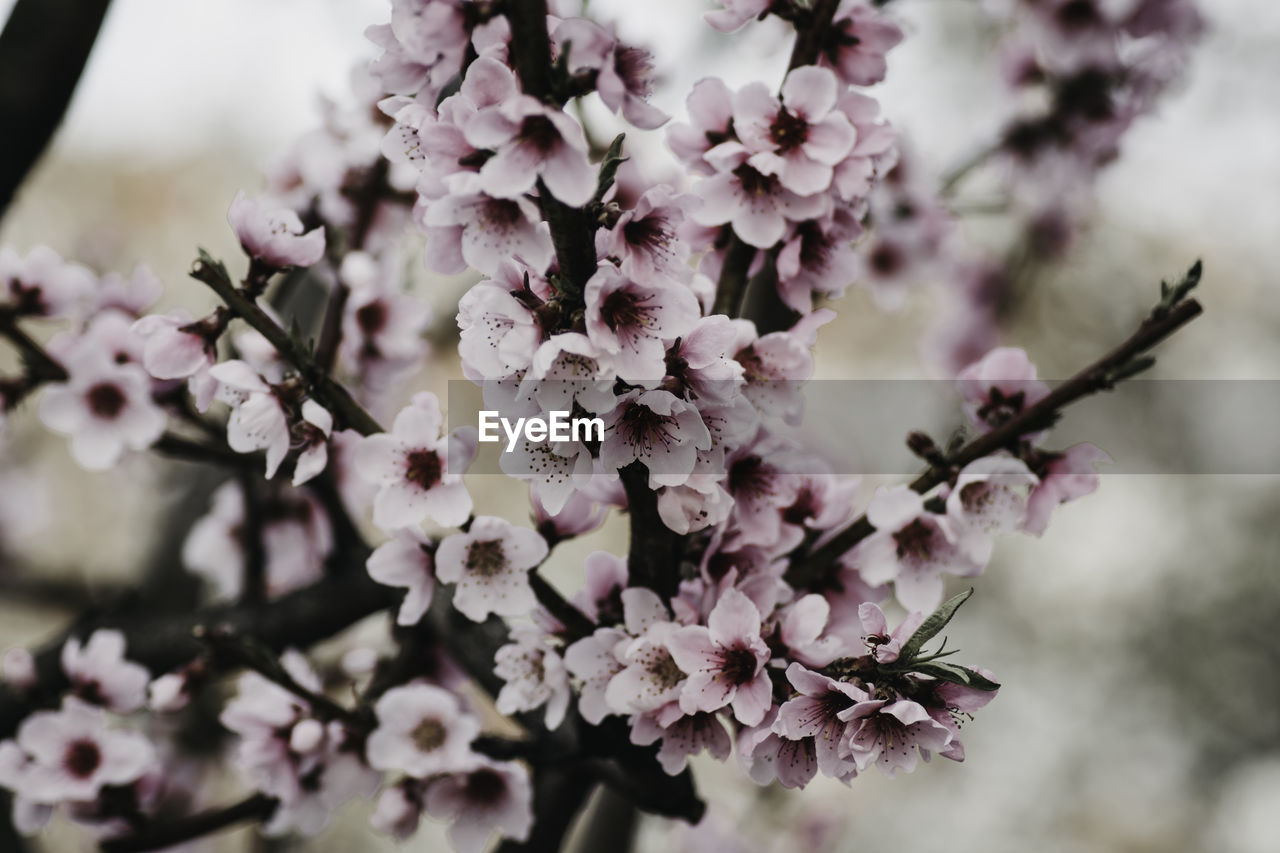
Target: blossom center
{"x": 642, "y": 427}
{"x": 485, "y": 786}
{"x": 371, "y": 318}
{"x": 648, "y": 233}
{"x": 665, "y": 671}
{"x": 788, "y": 130}
{"x": 755, "y": 183}
{"x": 423, "y": 469}
{"x": 623, "y": 309}
{"x": 539, "y": 132}
{"x": 914, "y": 540}
{"x": 106, "y": 400}
{"x": 500, "y": 212}
{"x": 739, "y": 665}
{"x": 429, "y": 735}
{"x": 82, "y": 758}
{"x": 486, "y": 558}
{"x": 1077, "y": 14}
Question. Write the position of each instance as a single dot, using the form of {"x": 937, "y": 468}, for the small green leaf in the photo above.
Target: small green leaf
{"x": 932, "y": 626}
{"x": 609, "y": 167}
{"x": 956, "y": 674}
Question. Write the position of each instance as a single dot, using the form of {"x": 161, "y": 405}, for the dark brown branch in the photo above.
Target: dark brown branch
{"x": 1099, "y": 376}
{"x": 329, "y": 392}
{"x": 573, "y": 619}
{"x": 656, "y": 550}
{"x": 43, "y": 51}
{"x": 160, "y": 836}
{"x": 810, "y": 33}
{"x": 163, "y": 641}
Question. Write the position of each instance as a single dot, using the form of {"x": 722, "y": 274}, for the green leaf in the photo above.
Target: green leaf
{"x": 954, "y": 673}
{"x": 609, "y": 167}
{"x": 1171, "y": 296}
{"x": 930, "y": 627}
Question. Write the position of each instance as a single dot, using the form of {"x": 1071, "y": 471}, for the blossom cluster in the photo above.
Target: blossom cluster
{"x": 749, "y": 642}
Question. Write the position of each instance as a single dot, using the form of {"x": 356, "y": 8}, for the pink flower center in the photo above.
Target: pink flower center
{"x": 643, "y": 428}
{"x": 622, "y": 309}
{"x": 485, "y": 786}
{"x": 538, "y": 132}
{"x": 500, "y": 213}
{"x": 82, "y": 758}
{"x": 914, "y": 541}
{"x": 486, "y": 558}
{"x": 1077, "y": 15}
{"x": 371, "y": 318}
{"x": 739, "y": 666}
{"x": 423, "y": 469}
{"x": 106, "y": 400}
{"x": 649, "y": 233}
{"x": 429, "y": 735}
{"x": 788, "y": 130}
{"x": 755, "y": 183}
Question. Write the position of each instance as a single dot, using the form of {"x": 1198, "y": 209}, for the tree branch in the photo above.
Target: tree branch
{"x": 160, "y": 836}
{"x": 43, "y": 51}
{"x": 328, "y": 391}
{"x": 1172, "y": 314}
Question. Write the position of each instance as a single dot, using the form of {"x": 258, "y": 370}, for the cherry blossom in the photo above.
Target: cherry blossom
{"x": 913, "y": 548}
{"x": 861, "y": 38}
{"x": 406, "y": 561}
{"x": 418, "y": 471}
{"x": 489, "y": 797}
{"x": 422, "y": 730}
{"x": 106, "y": 408}
{"x": 490, "y": 564}
{"x": 889, "y": 734}
{"x": 535, "y": 675}
{"x": 658, "y": 429}
{"x": 72, "y": 754}
{"x": 532, "y": 142}
{"x": 274, "y": 237}
{"x": 42, "y": 284}
{"x": 815, "y": 713}
{"x": 799, "y": 138}
{"x": 1067, "y": 476}
{"x": 725, "y": 661}
{"x": 100, "y": 674}
{"x": 632, "y": 322}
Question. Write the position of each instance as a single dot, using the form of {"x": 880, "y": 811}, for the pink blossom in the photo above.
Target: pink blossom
{"x": 406, "y": 561}
{"x": 498, "y": 332}
{"x": 999, "y": 386}
{"x": 489, "y": 797}
{"x": 884, "y": 646}
{"x": 274, "y": 236}
{"x": 532, "y": 141}
{"x": 106, "y": 408}
{"x": 604, "y": 579}
{"x": 623, "y": 73}
{"x": 814, "y": 713}
{"x": 18, "y": 667}
{"x": 296, "y": 539}
{"x": 568, "y": 368}
{"x": 888, "y": 734}
{"x": 313, "y": 430}
{"x": 1067, "y": 476}
{"x": 644, "y": 238}
{"x": 100, "y": 674}
{"x": 805, "y": 632}
{"x": 990, "y": 497}
{"x": 911, "y": 547}
{"x": 490, "y": 563}
{"x": 177, "y": 346}
{"x": 418, "y": 470}
{"x": 593, "y": 662}
{"x": 469, "y": 229}
{"x": 799, "y": 138}
{"x": 817, "y": 258}
{"x": 422, "y": 730}
{"x": 862, "y": 37}
{"x": 398, "y": 809}
{"x": 71, "y": 754}
{"x": 258, "y": 420}
{"x": 766, "y": 755}
{"x": 701, "y": 364}
{"x": 755, "y": 202}
{"x": 735, "y": 14}
{"x": 382, "y": 327}
{"x": 725, "y": 661}
{"x": 682, "y": 736}
{"x": 632, "y": 322}
{"x": 658, "y": 429}
{"x": 710, "y": 106}
{"x": 42, "y": 284}
{"x": 649, "y": 677}
{"x": 534, "y": 673}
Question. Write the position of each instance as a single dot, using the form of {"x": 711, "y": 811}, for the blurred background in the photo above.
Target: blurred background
{"x": 1135, "y": 640}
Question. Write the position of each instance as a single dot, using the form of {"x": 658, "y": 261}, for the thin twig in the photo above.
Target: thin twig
{"x": 329, "y": 392}
{"x": 160, "y": 836}
{"x": 1101, "y": 375}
